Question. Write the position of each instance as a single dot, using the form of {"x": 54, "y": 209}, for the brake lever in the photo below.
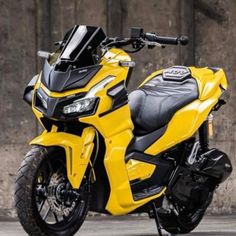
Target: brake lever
{"x": 151, "y": 44}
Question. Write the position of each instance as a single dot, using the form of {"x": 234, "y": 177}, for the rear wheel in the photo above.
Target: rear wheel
{"x": 182, "y": 219}
{"x": 46, "y": 203}
{"x": 181, "y": 224}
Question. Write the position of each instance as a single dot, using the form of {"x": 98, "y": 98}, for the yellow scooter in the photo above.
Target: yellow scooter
{"x": 108, "y": 151}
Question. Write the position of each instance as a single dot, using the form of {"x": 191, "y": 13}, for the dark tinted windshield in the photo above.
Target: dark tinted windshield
{"x": 79, "y": 51}
{"x": 81, "y": 44}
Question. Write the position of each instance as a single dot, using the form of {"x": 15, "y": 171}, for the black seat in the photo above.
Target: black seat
{"x": 153, "y": 105}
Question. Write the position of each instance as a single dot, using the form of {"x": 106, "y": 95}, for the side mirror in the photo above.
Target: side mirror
{"x": 28, "y": 93}
{"x": 136, "y": 32}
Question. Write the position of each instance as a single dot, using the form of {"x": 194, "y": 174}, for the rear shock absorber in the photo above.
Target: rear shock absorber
{"x": 204, "y": 136}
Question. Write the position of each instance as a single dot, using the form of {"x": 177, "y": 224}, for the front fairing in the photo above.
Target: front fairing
{"x": 72, "y": 78}
{"x": 74, "y": 84}
{"x": 70, "y": 68}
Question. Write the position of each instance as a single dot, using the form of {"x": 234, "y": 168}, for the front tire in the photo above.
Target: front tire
{"x": 46, "y": 203}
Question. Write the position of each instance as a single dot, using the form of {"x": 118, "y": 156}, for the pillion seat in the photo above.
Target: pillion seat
{"x": 154, "y": 104}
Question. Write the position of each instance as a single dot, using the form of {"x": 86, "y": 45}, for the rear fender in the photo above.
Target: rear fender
{"x": 78, "y": 150}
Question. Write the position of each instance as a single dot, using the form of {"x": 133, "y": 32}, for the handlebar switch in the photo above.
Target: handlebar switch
{"x": 136, "y": 32}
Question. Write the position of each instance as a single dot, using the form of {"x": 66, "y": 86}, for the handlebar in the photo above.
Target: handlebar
{"x": 139, "y": 39}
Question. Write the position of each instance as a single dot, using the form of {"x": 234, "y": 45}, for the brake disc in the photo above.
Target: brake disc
{"x": 56, "y": 202}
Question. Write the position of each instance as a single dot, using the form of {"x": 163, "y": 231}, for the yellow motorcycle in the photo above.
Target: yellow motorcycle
{"x": 108, "y": 151}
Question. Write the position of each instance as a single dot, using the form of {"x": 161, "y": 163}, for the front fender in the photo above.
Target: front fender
{"x": 78, "y": 150}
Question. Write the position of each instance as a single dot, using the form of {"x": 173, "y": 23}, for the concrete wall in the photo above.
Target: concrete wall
{"x": 29, "y": 25}
{"x": 215, "y": 40}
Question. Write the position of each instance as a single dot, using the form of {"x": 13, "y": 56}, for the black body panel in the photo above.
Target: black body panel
{"x": 53, "y": 107}
{"x": 154, "y": 104}
{"x": 141, "y": 143}
{"x": 145, "y": 192}
{"x": 189, "y": 189}
{"x": 159, "y": 179}
{"x": 129, "y": 76}
{"x": 59, "y": 81}
{"x": 155, "y": 160}
{"x": 119, "y": 96}
{"x": 217, "y": 165}
{"x": 191, "y": 185}
{"x": 99, "y": 198}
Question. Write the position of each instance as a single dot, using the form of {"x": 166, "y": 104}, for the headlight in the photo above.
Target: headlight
{"x": 88, "y": 102}
{"x": 80, "y": 106}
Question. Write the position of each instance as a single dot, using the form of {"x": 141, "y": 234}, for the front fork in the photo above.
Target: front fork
{"x": 78, "y": 150}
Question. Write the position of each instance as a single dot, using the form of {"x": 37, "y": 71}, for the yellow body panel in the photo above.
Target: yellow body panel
{"x": 121, "y": 199}
{"x": 78, "y": 151}
{"x": 138, "y": 170}
{"x": 116, "y": 127}
{"x": 208, "y": 81}
{"x": 187, "y": 120}
{"x": 184, "y": 124}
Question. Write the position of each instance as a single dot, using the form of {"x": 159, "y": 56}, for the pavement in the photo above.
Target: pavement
{"x": 135, "y": 226}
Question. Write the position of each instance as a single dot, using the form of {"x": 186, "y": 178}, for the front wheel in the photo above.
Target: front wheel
{"x": 45, "y": 201}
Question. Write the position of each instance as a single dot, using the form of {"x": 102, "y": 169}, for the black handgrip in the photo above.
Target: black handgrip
{"x": 167, "y": 40}
{"x": 183, "y": 40}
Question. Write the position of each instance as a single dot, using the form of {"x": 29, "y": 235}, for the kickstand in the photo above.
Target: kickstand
{"x": 156, "y": 219}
